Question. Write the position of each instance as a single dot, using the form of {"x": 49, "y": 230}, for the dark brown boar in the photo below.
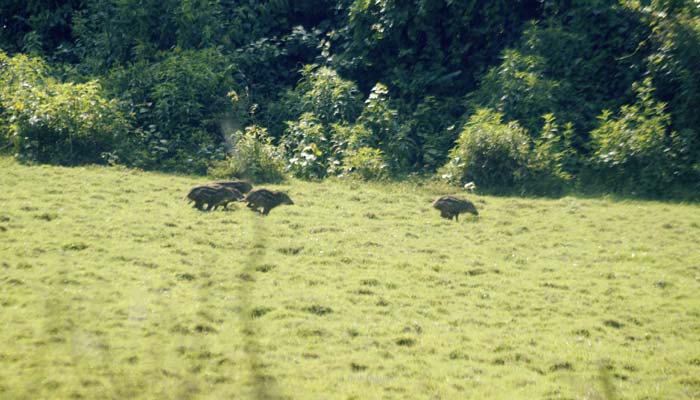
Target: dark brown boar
{"x": 213, "y": 196}
{"x": 264, "y": 200}
{"x": 450, "y": 206}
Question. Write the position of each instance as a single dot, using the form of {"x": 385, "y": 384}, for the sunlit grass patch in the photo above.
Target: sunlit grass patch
{"x": 112, "y": 286}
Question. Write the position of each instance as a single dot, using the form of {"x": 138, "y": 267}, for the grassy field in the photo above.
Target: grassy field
{"x": 113, "y": 287}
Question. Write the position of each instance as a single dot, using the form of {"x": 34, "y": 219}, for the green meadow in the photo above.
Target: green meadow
{"x": 113, "y": 287}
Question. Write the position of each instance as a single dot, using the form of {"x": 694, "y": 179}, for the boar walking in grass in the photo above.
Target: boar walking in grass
{"x": 264, "y": 200}
{"x": 213, "y": 196}
{"x": 450, "y": 206}
{"x": 242, "y": 186}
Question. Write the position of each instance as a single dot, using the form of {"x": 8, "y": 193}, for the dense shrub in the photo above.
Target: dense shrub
{"x": 308, "y": 147}
{"x": 672, "y": 62}
{"x": 636, "y": 150}
{"x": 252, "y": 156}
{"x": 518, "y": 89}
{"x": 53, "y": 122}
{"x": 39, "y": 28}
{"x": 328, "y": 96}
{"x": 674, "y": 67}
{"x": 179, "y": 104}
{"x": 433, "y": 125}
{"x": 490, "y": 153}
{"x": 366, "y": 163}
{"x": 325, "y": 130}
{"x": 426, "y": 47}
{"x": 346, "y": 140}
{"x": 316, "y": 151}
{"x": 551, "y": 160}
{"x": 269, "y": 70}
{"x": 503, "y": 158}
{"x": 112, "y": 33}
{"x": 389, "y": 133}
{"x": 350, "y": 137}
{"x": 321, "y": 92}
{"x": 593, "y": 50}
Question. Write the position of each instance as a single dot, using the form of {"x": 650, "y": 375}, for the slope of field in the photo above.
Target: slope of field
{"x": 112, "y": 286}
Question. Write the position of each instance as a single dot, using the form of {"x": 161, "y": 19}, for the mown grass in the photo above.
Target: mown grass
{"x": 112, "y": 286}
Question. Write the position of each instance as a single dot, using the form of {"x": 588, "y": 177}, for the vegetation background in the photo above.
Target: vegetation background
{"x": 519, "y": 96}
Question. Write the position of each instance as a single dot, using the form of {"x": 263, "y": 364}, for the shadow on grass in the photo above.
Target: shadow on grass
{"x": 673, "y": 194}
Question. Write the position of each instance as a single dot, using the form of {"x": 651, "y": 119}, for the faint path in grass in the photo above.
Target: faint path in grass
{"x": 264, "y": 386}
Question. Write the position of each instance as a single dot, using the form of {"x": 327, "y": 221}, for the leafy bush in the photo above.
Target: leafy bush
{"x": 346, "y": 140}
{"x": 366, "y": 163}
{"x": 269, "y": 69}
{"x": 316, "y": 150}
{"x": 673, "y": 66}
{"x": 350, "y": 137}
{"x": 321, "y": 91}
{"x": 110, "y": 33}
{"x": 635, "y": 151}
{"x": 388, "y": 132}
{"x": 518, "y": 89}
{"x": 593, "y": 50}
{"x": 433, "y": 125}
{"x": 310, "y": 150}
{"x": 491, "y": 154}
{"x": 179, "y": 104}
{"x": 253, "y": 157}
{"x": 426, "y": 47}
{"x": 329, "y": 97}
{"x": 551, "y": 159}
{"x": 53, "y": 122}
{"x": 324, "y": 131}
